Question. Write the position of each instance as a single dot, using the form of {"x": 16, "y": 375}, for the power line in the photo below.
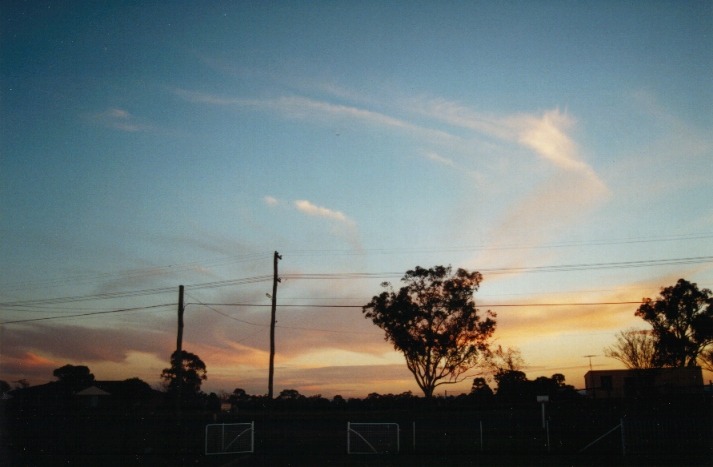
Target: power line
{"x": 121, "y": 310}
{"x": 525, "y": 269}
{"x": 210, "y": 307}
{"x": 483, "y": 247}
{"x": 179, "y": 267}
{"x": 134, "y": 273}
{"x": 355, "y": 275}
{"x": 489, "y": 305}
{"x": 133, "y": 293}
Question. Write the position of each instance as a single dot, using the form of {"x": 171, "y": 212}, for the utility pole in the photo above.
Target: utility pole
{"x": 275, "y": 280}
{"x": 179, "y": 348}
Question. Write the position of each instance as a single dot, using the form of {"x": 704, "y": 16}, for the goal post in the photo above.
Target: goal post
{"x": 230, "y": 438}
{"x": 373, "y": 438}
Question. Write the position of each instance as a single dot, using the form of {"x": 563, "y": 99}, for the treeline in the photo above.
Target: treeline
{"x": 513, "y": 388}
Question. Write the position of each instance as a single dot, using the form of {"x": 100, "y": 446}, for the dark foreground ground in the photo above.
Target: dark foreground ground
{"x": 397, "y": 460}
{"x": 671, "y": 432}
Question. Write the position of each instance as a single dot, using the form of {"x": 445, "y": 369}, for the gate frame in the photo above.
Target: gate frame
{"x": 250, "y": 426}
{"x": 375, "y": 451}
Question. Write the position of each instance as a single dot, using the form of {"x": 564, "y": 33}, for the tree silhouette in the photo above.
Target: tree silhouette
{"x": 682, "y": 322}
{"x": 433, "y": 321}
{"x": 504, "y": 360}
{"x": 77, "y": 377}
{"x": 481, "y": 391}
{"x": 290, "y": 394}
{"x": 636, "y": 349}
{"x": 192, "y": 370}
{"x": 512, "y": 385}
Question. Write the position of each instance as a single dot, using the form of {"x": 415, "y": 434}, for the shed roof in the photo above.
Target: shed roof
{"x": 93, "y": 391}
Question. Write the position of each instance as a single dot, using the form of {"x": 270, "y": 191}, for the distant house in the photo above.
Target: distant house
{"x": 91, "y": 396}
{"x": 56, "y": 397}
{"x": 648, "y": 382}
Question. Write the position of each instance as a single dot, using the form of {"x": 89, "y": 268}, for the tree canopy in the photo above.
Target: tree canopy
{"x": 635, "y": 348}
{"x": 77, "y": 377}
{"x": 505, "y": 360}
{"x": 434, "y": 322}
{"x": 682, "y": 322}
{"x": 192, "y": 373}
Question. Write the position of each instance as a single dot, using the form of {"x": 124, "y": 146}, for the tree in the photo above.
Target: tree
{"x": 504, "y": 360}
{"x": 338, "y": 401}
{"x": 433, "y": 321}
{"x": 192, "y": 370}
{"x": 290, "y": 395}
{"x": 558, "y": 379}
{"x": 512, "y": 384}
{"x": 22, "y": 384}
{"x": 77, "y": 377}
{"x": 480, "y": 391}
{"x": 707, "y": 359}
{"x": 682, "y": 322}
{"x": 4, "y": 387}
{"x": 634, "y": 348}
{"x": 239, "y": 395}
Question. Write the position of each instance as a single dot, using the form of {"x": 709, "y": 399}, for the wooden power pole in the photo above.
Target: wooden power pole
{"x": 179, "y": 339}
{"x": 179, "y": 346}
{"x": 275, "y": 280}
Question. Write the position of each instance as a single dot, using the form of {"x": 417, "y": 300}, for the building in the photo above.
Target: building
{"x": 646, "y": 382}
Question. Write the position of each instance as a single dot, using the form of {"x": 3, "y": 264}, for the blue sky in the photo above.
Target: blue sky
{"x": 562, "y": 148}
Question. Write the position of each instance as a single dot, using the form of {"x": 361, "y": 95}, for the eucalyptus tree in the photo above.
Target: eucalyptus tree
{"x": 434, "y": 322}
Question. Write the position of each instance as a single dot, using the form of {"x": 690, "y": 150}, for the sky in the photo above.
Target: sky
{"x": 563, "y": 149}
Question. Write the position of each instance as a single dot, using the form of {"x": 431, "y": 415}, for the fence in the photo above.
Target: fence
{"x": 373, "y": 438}
{"x": 230, "y": 438}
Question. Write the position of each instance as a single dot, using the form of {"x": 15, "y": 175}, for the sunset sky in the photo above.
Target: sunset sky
{"x": 563, "y": 149}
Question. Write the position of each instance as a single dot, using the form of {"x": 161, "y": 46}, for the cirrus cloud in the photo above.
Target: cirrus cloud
{"x": 311, "y": 209}
{"x": 120, "y": 119}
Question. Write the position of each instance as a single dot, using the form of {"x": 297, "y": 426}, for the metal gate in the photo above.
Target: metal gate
{"x": 230, "y": 438}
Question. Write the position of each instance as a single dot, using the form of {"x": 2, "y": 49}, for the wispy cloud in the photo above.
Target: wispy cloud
{"x": 120, "y": 119}
{"x": 435, "y": 157}
{"x": 271, "y": 201}
{"x": 452, "y": 134}
{"x": 311, "y": 209}
{"x": 308, "y": 108}
{"x": 572, "y": 189}
{"x": 341, "y": 224}
{"x": 546, "y": 135}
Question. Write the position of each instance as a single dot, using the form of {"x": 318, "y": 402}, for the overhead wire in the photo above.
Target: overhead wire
{"x": 132, "y": 293}
{"x": 211, "y": 307}
{"x": 179, "y": 267}
{"x": 489, "y": 305}
{"x": 483, "y": 247}
{"x": 133, "y": 273}
{"x": 94, "y": 313}
{"x": 524, "y": 269}
{"x": 41, "y": 305}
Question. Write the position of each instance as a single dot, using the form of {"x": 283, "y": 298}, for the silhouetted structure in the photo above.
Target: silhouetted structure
{"x": 644, "y": 382}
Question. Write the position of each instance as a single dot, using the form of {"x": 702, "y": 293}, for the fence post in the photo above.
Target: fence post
{"x": 548, "y": 434}
{"x": 398, "y": 438}
{"x": 481, "y": 436}
{"x": 623, "y": 438}
{"x": 413, "y": 428}
{"x": 252, "y": 435}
